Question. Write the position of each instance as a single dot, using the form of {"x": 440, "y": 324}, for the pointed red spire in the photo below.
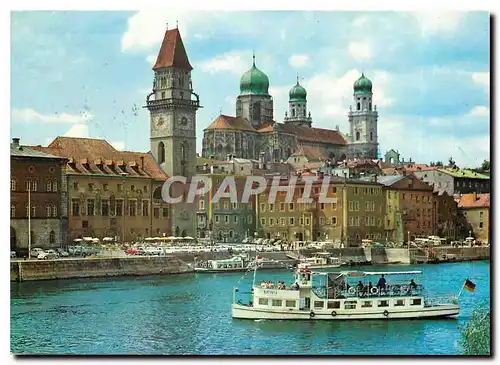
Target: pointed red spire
{"x": 172, "y": 52}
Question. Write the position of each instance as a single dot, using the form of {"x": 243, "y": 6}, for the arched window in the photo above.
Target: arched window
{"x": 54, "y": 211}
{"x": 371, "y": 136}
{"x": 13, "y": 184}
{"x": 357, "y": 136}
{"x": 358, "y": 106}
{"x": 52, "y": 237}
{"x": 49, "y": 185}
{"x": 370, "y": 106}
{"x": 161, "y": 152}
{"x": 183, "y": 159}
{"x": 293, "y": 112}
{"x": 33, "y": 211}
{"x": 48, "y": 210}
{"x": 54, "y": 185}
{"x": 12, "y": 211}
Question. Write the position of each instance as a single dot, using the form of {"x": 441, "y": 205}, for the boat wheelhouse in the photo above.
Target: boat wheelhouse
{"x": 343, "y": 295}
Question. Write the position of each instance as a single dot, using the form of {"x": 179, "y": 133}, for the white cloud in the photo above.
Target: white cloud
{"x": 436, "y": 22}
{"x": 360, "y": 51}
{"x": 78, "y": 130}
{"x": 31, "y": 115}
{"x": 298, "y": 60}
{"x": 227, "y": 62}
{"x": 481, "y": 78}
{"x": 479, "y": 111}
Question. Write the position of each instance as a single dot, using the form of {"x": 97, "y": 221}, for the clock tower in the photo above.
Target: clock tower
{"x": 172, "y": 105}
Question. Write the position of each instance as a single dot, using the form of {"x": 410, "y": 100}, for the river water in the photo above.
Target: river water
{"x": 191, "y": 314}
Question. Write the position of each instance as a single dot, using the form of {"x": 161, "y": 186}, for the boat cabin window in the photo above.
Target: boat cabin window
{"x": 263, "y": 301}
{"x": 332, "y": 305}
{"x": 318, "y": 304}
{"x": 399, "y": 303}
{"x": 367, "y": 304}
{"x": 383, "y": 303}
{"x": 290, "y": 303}
{"x": 350, "y": 304}
{"x": 277, "y": 303}
{"x": 416, "y": 301}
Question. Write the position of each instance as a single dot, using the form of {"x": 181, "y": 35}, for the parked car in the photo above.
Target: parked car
{"x": 13, "y": 254}
{"x": 62, "y": 253}
{"x": 36, "y": 251}
{"x": 131, "y": 251}
{"x": 49, "y": 255}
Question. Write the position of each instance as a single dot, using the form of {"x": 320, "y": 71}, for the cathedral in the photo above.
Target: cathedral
{"x": 253, "y": 133}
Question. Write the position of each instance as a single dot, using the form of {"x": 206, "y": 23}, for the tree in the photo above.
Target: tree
{"x": 439, "y": 163}
{"x": 432, "y": 164}
{"x": 476, "y": 333}
{"x": 485, "y": 165}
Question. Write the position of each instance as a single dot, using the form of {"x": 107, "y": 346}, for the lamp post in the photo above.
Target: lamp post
{"x": 29, "y": 219}
{"x": 124, "y": 175}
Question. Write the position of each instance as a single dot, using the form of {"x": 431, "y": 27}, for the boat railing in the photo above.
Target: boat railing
{"x": 434, "y": 300}
{"x": 374, "y": 291}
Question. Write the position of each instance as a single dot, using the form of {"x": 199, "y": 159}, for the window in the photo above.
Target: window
{"x": 367, "y": 304}
{"x": 119, "y": 208}
{"x": 282, "y": 207}
{"x": 322, "y": 206}
{"x": 334, "y": 206}
{"x": 231, "y": 233}
{"x": 75, "y": 185}
{"x": 271, "y": 207}
{"x": 145, "y": 208}
{"x": 249, "y": 219}
{"x": 350, "y": 304}
{"x": 226, "y": 219}
{"x": 105, "y": 187}
{"x": 85, "y": 224}
{"x": 416, "y": 301}
{"x": 480, "y": 214}
{"x": 351, "y": 206}
{"x": 333, "y": 305}
{"x": 383, "y": 303}
{"x": 399, "y": 303}
{"x": 90, "y": 207}
{"x": 357, "y": 221}
{"x": 263, "y": 221}
{"x": 262, "y": 207}
{"x": 12, "y": 211}
{"x": 49, "y": 185}
{"x": 271, "y": 221}
{"x": 282, "y": 221}
{"x": 13, "y": 184}
{"x": 277, "y": 303}
{"x": 301, "y": 221}
{"x": 226, "y": 205}
{"x": 290, "y": 303}
{"x": 291, "y": 221}
{"x": 367, "y": 205}
{"x": 54, "y": 211}
{"x": 164, "y": 212}
{"x": 105, "y": 208}
{"x": 291, "y": 207}
{"x": 216, "y": 218}
{"x": 322, "y": 220}
{"x": 156, "y": 212}
{"x": 54, "y": 185}
{"x": 356, "y": 190}
{"x": 307, "y": 221}
{"x": 235, "y": 219}
{"x": 351, "y": 221}
{"x": 318, "y": 304}
{"x": 91, "y": 187}
{"x": 202, "y": 205}
{"x": 379, "y": 222}
{"x": 480, "y": 225}
{"x": 235, "y": 206}
{"x": 52, "y": 237}
{"x": 263, "y": 301}
{"x": 119, "y": 187}
{"x": 357, "y": 206}
{"x": 334, "y": 221}
{"x": 75, "y": 207}
{"x": 132, "y": 208}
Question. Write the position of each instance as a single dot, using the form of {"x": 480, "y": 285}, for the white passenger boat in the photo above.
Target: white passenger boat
{"x": 238, "y": 263}
{"x": 321, "y": 260}
{"x": 341, "y": 296}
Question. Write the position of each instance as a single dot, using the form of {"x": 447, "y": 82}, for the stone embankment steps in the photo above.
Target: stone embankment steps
{"x": 21, "y": 270}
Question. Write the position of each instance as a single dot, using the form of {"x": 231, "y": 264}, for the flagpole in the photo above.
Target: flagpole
{"x": 255, "y": 270}
{"x": 461, "y": 290}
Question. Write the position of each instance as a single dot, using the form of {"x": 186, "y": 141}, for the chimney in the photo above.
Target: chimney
{"x": 15, "y": 142}
{"x": 142, "y": 163}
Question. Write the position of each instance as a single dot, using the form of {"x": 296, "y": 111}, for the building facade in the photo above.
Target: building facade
{"x": 38, "y": 200}
{"x": 111, "y": 193}
{"x": 456, "y": 181}
{"x": 476, "y": 209}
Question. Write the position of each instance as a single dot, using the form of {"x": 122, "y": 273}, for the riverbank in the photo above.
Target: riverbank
{"x": 24, "y": 270}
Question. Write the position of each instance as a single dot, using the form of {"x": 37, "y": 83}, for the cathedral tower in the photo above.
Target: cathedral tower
{"x": 297, "y": 106}
{"x": 254, "y": 102}
{"x": 363, "y": 138}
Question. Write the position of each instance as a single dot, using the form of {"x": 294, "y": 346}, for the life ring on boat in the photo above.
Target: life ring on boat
{"x": 312, "y": 314}
{"x": 374, "y": 290}
{"x": 404, "y": 288}
{"x": 334, "y": 313}
{"x": 386, "y": 313}
{"x": 352, "y": 290}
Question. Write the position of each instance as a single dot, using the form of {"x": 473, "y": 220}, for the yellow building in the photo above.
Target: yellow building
{"x": 476, "y": 209}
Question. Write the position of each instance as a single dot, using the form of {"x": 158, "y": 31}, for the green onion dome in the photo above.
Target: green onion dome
{"x": 297, "y": 93}
{"x": 254, "y": 81}
{"x": 363, "y": 85}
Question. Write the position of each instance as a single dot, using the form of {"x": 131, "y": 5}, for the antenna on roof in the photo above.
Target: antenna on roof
{"x": 297, "y": 77}
{"x": 253, "y": 56}
{"x": 177, "y": 24}
{"x": 167, "y": 25}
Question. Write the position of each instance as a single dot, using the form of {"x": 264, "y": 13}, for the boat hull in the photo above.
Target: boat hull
{"x": 438, "y": 311}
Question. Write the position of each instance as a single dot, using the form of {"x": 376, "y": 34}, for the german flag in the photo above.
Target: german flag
{"x": 469, "y": 285}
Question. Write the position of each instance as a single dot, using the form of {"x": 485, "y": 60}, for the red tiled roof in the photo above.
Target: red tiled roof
{"x": 468, "y": 201}
{"x": 304, "y": 133}
{"x": 391, "y": 171}
{"x": 311, "y": 153}
{"x": 232, "y": 123}
{"x": 87, "y": 156}
{"x": 361, "y": 163}
{"x": 172, "y": 52}
{"x": 420, "y": 167}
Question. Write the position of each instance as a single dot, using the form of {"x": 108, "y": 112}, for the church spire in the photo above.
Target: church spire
{"x": 253, "y": 57}
{"x": 172, "y": 52}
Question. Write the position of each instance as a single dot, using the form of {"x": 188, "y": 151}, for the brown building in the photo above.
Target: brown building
{"x": 446, "y": 217}
{"x": 476, "y": 209}
{"x": 112, "y": 193}
{"x": 43, "y": 175}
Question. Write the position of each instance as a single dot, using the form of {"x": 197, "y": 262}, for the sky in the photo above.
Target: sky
{"x": 87, "y": 74}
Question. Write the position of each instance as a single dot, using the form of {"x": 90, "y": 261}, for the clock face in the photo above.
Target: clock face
{"x": 184, "y": 122}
